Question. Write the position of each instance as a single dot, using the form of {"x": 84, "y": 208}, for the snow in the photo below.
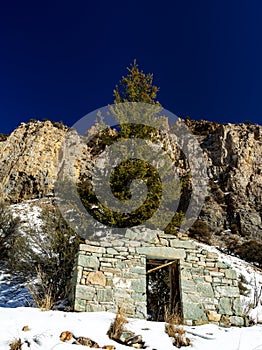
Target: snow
{"x": 253, "y": 277}
{"x": 29, "y": 213}
{"x": 46, "y": 327}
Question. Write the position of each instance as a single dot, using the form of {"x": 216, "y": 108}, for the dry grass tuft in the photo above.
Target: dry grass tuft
{"x": 175, "y": 330}
{"x": 16, "y": 344}
{"x": 42, "y": 296}
{"x": 118, "y": 325}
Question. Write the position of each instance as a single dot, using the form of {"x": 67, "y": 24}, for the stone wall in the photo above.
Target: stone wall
{"x": 112, "y": 273}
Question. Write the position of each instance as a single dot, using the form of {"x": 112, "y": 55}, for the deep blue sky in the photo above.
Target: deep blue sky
{"x": 62, "y": 59}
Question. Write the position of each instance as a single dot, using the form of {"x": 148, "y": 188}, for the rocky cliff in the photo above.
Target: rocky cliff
{"x": 30, "y": 161}
{"x": 234, "y": 153}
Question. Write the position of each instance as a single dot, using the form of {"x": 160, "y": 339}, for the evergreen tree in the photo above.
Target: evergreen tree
{"x": 136, "y": 87}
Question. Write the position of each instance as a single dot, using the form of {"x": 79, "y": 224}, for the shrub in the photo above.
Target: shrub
{"x": 200, "y": 231}
{"x": 251, "y": 251}
{"x": 8, "y": 229}
{"x": 46, "y": 258}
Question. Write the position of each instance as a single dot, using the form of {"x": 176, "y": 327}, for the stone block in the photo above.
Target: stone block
{"x": 133, "y": 244}
{"x": 227, "y": 281}
{"x": 84, "y": 292}
{"x": 80, "y": 305}
{"x": 210, "y": 307}
{"x": 210, "y": 264}
{"x": 221, "y": 265}
{"x": 139, "y": 285}
{"x": 120, "y": 264}
{"x": 148, "y": 236}
{"x": 106, "y": 264}
{"x": 198, "y": 279}
{"x": 229, "y": 273}
{"x": 190, "y": 298}
{"x": 212, "y": 255}
{"x": 205, "y": 290}
{"x": 138, "y": 271}
{"x": 187, "y": 286}
{"x": 225, "y": 306}
{"x": 93, "y": 243}
{"x": 162, "y": 252}
{"x": 111, "y": 251}
{"x": 122, "y": 295}
{"x": 88, "y": 261}
{"x": 227, "y": 291}
{"x": 92, "y": 249}
{"x": 117, "y": 243}
{"x": 235, "y": 283}
{"x": 237, "y": 321}
{"x": 130, "y": 234}
{"x": 164, "y": 242}
{"x": 95, "y": 308}
{"x": 108, "y": 259}
{"x": 237, "y": 307}
{"x": 79, "y": 273}
{"x": 97, "y": 278}
{"x": 216, "y": 274}
{"x": 186, "y": 274}
{"x": 122, "y": 249}
{"x": 213, "y": 316}
{"x": 122, "y": 283}
{"x": 217, "y": 280}
{"x": 194, "y": 312}
{"x": 104, "y": 295}
{"x": 123, "y": 256}
{"x": 185, "y": 244}
{"x": 208, "y": 278}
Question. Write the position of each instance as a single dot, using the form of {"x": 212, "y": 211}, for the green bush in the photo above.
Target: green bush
{"x": 8, "y": 230}
{"x": 251, "y": 251}
{"x": 46, "y": 257}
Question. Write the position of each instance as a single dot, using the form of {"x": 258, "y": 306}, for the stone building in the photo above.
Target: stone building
{"x": 115, "y": 273}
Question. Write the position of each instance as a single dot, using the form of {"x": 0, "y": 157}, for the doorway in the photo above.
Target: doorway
{"x": 163, "y": 289}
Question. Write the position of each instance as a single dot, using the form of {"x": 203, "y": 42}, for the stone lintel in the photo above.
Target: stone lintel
{"x": 162, "y": 253}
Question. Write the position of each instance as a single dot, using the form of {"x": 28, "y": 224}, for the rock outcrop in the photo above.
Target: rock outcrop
{"x": 31, "y": 159}
{"x": 234, "y": 153}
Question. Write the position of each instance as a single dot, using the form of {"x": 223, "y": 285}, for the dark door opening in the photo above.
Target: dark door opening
{"x": 163, "y": 289}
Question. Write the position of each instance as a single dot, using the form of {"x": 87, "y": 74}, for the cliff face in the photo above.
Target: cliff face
{"x": 30, "y": 161}
{"x": 234, "y": 153}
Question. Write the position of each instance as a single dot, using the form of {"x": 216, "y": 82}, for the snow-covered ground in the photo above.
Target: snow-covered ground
{"x": 45, "y": 328}
{"x": 252, "y": 278}
{"x": 12, "y": 292}
{"x": 29, "y": 213}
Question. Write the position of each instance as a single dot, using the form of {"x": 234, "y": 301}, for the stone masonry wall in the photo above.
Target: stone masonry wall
{"x": 112, "y": 273}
